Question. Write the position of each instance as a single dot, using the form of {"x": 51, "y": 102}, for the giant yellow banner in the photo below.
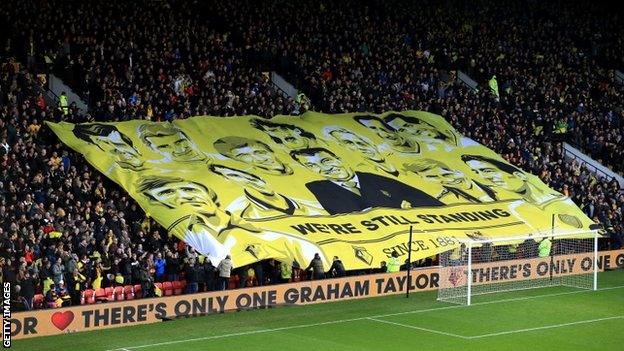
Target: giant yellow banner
{"x": 346, "y": 185}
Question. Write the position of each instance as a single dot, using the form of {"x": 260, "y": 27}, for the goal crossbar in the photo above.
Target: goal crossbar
{"x": 557, "y": 235}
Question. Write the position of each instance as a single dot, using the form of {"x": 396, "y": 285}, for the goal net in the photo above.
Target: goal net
{"x": 477, "y": 267}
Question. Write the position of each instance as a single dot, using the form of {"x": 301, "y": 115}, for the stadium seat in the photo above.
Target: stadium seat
{"x": 177, "y": 287}
{"x": 110, "y": 294}
{"x": 128, "y": 292}
{"x": 38, "y": 301}
{"x": 233, "y": 282}
{"x": 100, "y": 295}
{"x": 138, "y": 292}
{"x": 167, "y": 288}
{"x": 118, "y": 292}
{"x": 88, "y": 297}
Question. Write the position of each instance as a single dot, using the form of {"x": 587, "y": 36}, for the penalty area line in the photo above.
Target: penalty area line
{"x": 418, "y": 328}
{"x": 299, "y": 326}
{"x": 553, "y": 326}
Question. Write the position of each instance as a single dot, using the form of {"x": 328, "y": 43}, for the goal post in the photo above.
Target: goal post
{"x": 491, "y": 265}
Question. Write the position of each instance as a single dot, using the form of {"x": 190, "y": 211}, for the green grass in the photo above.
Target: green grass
{"x": 539, "y": 319}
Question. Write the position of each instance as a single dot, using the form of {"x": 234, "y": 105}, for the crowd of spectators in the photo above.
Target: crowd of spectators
{"x": 63, "y": 223}
{"x": 156, "y": 59}
{"x": 383, "y": 55}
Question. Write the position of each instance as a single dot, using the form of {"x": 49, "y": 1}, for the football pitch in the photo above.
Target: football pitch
{"x": 558, "y": 318}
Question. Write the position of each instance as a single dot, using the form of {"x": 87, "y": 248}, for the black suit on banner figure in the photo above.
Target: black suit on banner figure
{"x": 345, "y": 191}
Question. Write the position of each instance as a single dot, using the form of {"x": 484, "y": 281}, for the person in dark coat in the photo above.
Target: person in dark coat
{"x": 209, "y": 274}
{"x": 147, "y": 283}
{"x": 316, "y": 265}
{"x": 28, "y": 289}
{"x": 337, "y": 268}
{"x": 192, "y": 276}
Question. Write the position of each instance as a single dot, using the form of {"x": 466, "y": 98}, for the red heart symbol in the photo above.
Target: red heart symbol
{"x": 62, "y": 319}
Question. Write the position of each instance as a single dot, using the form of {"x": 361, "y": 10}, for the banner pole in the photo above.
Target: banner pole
{"x": 552, "y": 232}
{"x": 595, "y": 285}
{"x": 409, "y": 263}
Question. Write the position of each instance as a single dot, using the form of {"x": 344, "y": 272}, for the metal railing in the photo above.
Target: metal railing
{"x": 593, "y": 165}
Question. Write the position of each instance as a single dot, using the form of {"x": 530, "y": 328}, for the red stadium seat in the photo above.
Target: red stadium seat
{"x": 109, "y": 295}
{"x": 128, "y": 292}
{"x": 118, "y": 292}
{"x": 138, "y": 292}
{"x": 178, "y": 288}
{"x": 38, "y": 301}
{"x": 100, "y": 295}
{"x": 233, "y": 282}
{"x": 88, "y": 297}
{"x": 167, "y": 288}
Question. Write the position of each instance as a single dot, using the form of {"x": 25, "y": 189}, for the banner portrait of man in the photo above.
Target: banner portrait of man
{"x": 508, "y": 177}
{"x": 345, "y": 190}
{"x": 395, "y": 141}
{"x": 198, "y": 207}
{"x": 170, "y": 142}
{"x": 110, "y": 140}
{"x": 260, "y": 201}
{"x": 420, "y": 130}
{"x": 287, "y": 135}
{"x": 356, "y": 143}
{"x": 253, "y": 152}
{"x": 209, "y": 229}
{"x": 456, "y": 186}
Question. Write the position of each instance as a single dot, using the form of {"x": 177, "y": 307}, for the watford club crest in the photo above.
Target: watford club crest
{"x": 476, "y": 235}
{"x": 570, "y": 220}
{"x": 362, "y": 254}
{"x": 455, "y": 278}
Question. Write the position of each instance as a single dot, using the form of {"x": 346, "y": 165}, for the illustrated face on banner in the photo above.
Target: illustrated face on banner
{"x": 324, "y": 163}
{"x": 496, "y": 172}
{"x": 110, "y": 140}
{"x": 438, "y": 172}
{"x": 170, "y": 142}
{"x": 396, "y": 141}
{"x": 252, "y": 152}
{"x": 414, "y": 127}
{"x": 187, "y": 196}
{"x": 242, "y": 178}
{"x": 290, "y": 136}
{"x": 182, "y": 193}
{"x": 355, "y": 143}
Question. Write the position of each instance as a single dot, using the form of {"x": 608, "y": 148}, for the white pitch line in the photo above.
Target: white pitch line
{"x": 127, "y": 348}
{"x": 418, "y": 328}
{"x": 544, "y": 327}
